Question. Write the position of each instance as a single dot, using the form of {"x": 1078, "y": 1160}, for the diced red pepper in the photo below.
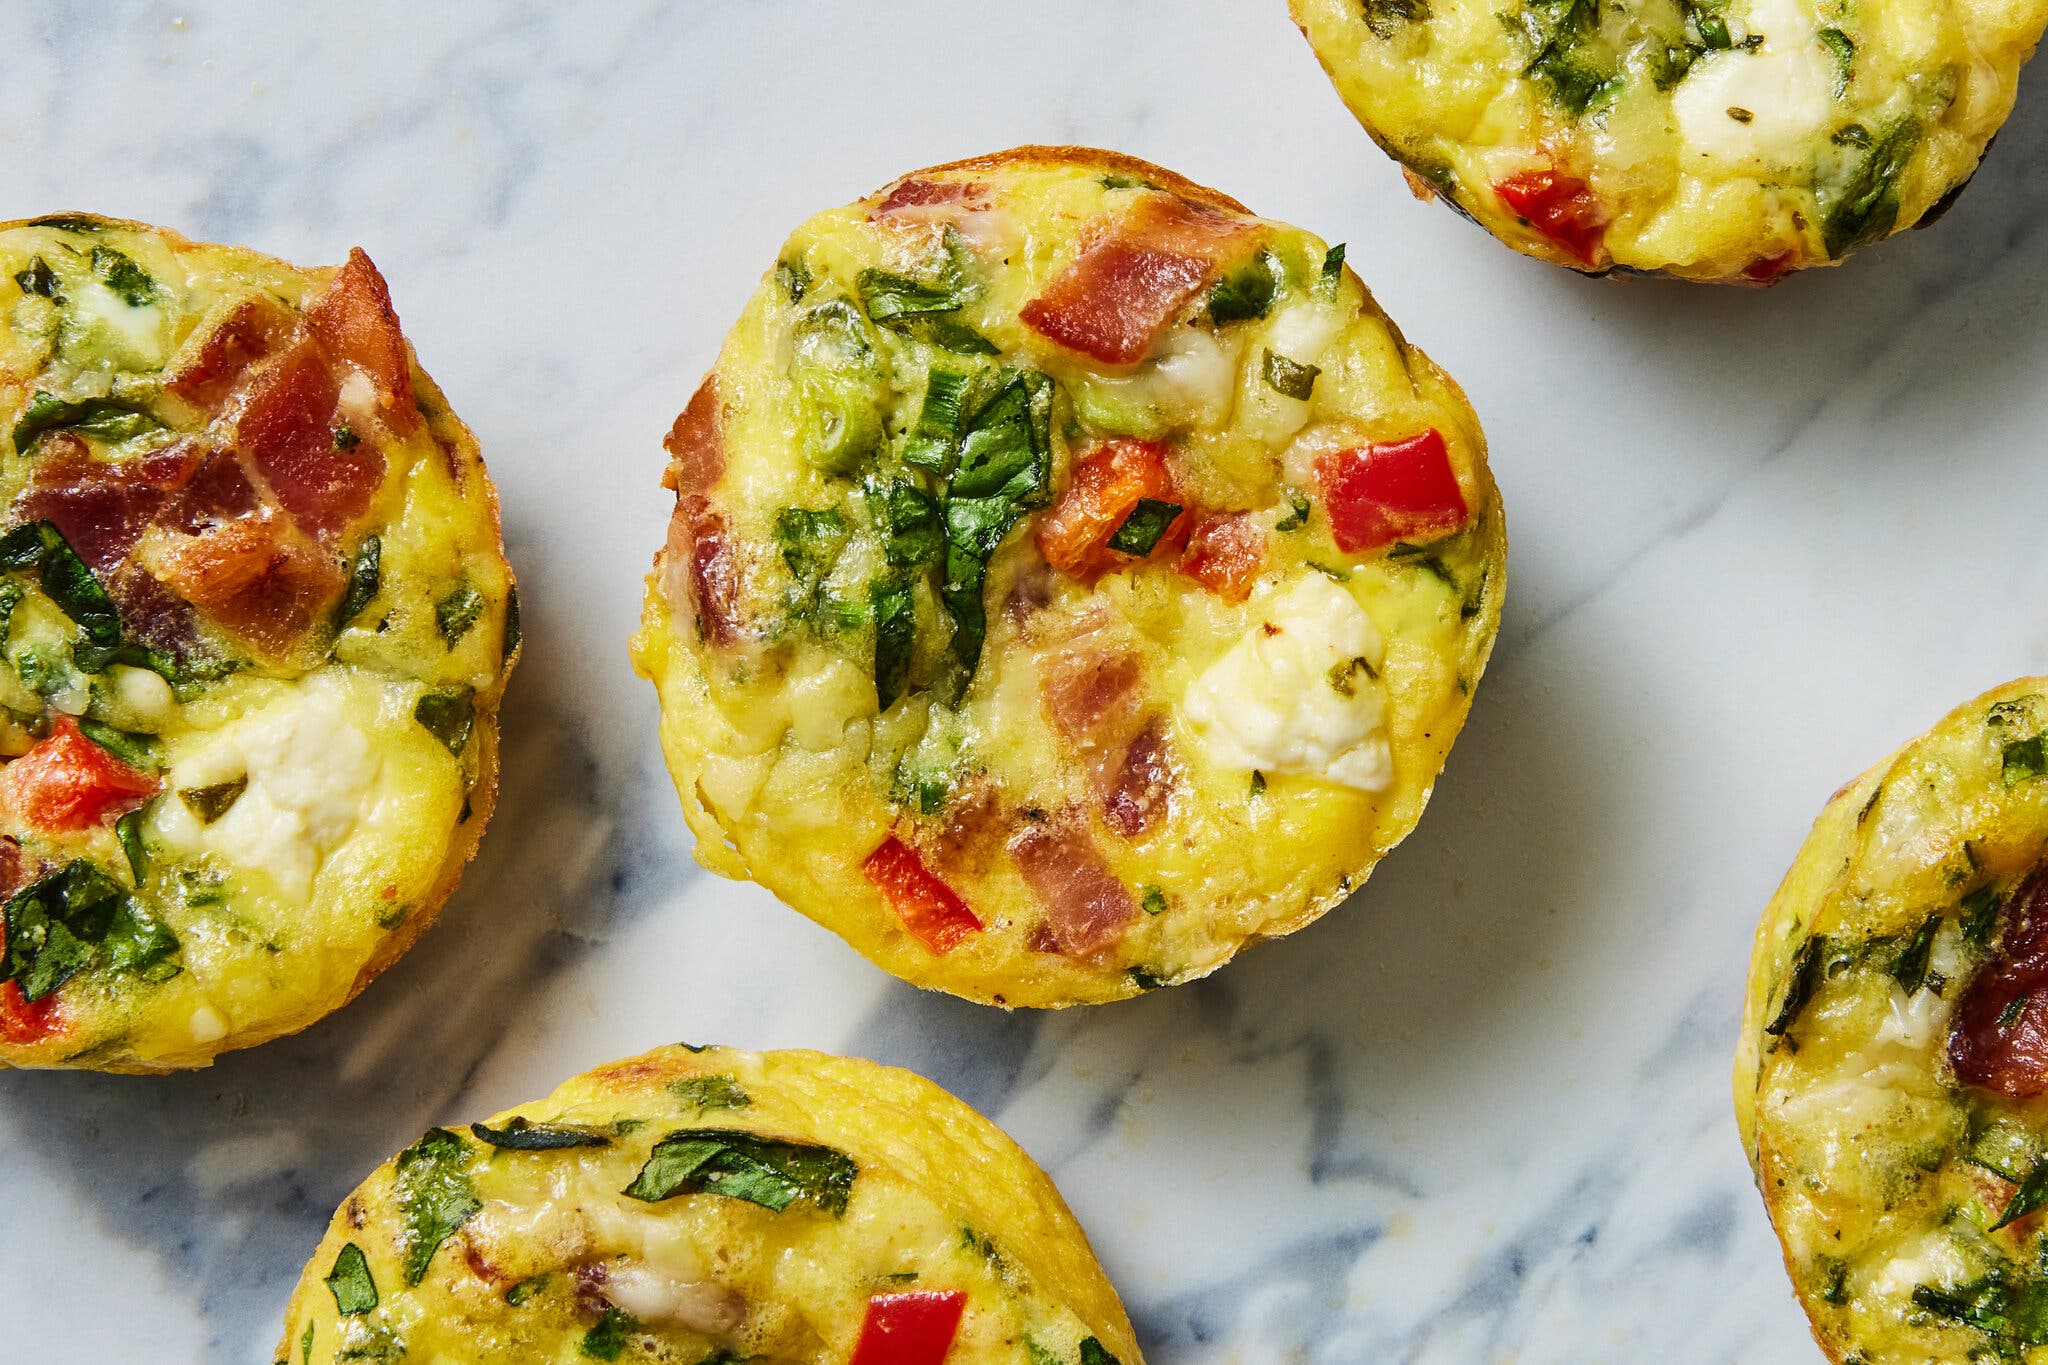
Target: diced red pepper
{"x": 1108, "y": 482}
{"x": 1375, "y": 495}
{"x": 909, "y": 1329}
{"x": 926, "y": 906}
{"x": 22, "y": 1022}
{"x": 67, "y": 782}
{"x": 1561, "y": 207}
{"x": 1771, "y": 269}
{"x": 1225, "y": 554}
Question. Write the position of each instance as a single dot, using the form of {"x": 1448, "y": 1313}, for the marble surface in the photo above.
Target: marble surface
{"x": 1478, "y": 1115}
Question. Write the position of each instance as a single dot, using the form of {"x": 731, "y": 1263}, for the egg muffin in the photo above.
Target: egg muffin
{"x": 255, "y": 619}
{"x": 1894, "y": 1062}
{"x": 1050, "y": 533}
{"x": 706, "y": 1204}
{"x": 1722, "y": 140}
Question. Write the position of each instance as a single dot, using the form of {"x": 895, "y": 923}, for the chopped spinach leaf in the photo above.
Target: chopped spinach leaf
{"x": 1670, "y": 65}
{"x": 525, "y": 1289}
{"x": 895, "y": 609}
{"x": 350, "y": 1281}
{"x": 1004, "y": 465}
{"x": 306, "y": 1345}
{"x": 1258, "y": 787}
{"x": 1094, "y": 1353}
{"x": 1866, "y": 207}
{"x": 711, "y": 1092}
{"x": 810, "y": 539}
{"x": 1248, "y": 291}
{"x": 1386, "y": 17}
{"x": 1298, "y": 509}
{"x": 118, "y": 271}
{"x": 909, "y": 522}
{"x": 1909, "y": 968}
{"x": 794, "y": 279}
{"x": 1153, "y": 900}
{"x": 64, "y": 578}
{"x": 1561, "y": 31}
{"x": 1800, "y": 984}
{"x": 435, "y": 1197}
{"x": 947, "y": 286}
{"x": 1289, "y": 378}
{"x": 2005, "y": 1149}
{"x": 742, "y": 1165}
{"x": 1844, "y": 50}
{"x": 2031, "y": 1195}
{"x": 1980, "y": 916}
{"x": 2009, "y": 1310}
{"x": 101, "y": 417}
{"x": 518, "y": 1135}
{"x": 607, "y": 1340}
{"x": 65, "y": 922}
{"x": 448, "y": 715}
{"x": 365, "y": 577}
{"x": 135, "y": 749}
{"x": 11, "y": 594}
{"x": 1143, "y": 526}
{"x": 1332, "y": 277}
{"x": 1116, "y": 180}
{"x": 345, "y": 437}
{"x": 457, "y": 612}
{"x": 38, "y": 279}
{"x": 2024, "y": 758}
{"x": 1144, "y": 980}
{"x": 128, "y": 829}
{"x": 931, "y": 441}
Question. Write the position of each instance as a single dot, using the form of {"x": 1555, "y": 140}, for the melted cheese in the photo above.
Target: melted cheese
{"x": 1298, "y": 694}
{"x": 1785, "y": 87}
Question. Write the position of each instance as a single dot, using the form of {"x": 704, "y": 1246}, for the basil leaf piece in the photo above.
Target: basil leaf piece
{"x": 743, "y": 1165}
{"x": 365, "y": 577}
{"x": 1248, "y": 291}
{"x": 607, "y": 1340}
{"x": 810, "y": 539}
{"x": 118, "y": 271}
{"x": 38, "y": 279}
{"x": 435, "y": 1197}
{"x": 449, "y": 715}
{"x": 518, "y": 1135}
{"x": 1866, "y": 207}
{"x": 1289, "y": 378}
{"x": 21, "y": 548}
{"x": 1143, "y": 526}
{"x": 1909, "y": 968}
{"x": 94, "y": 416}
{"x": 132, "y": 747}
{"x": 1004, "y": 465}
{"x": 128, "y": 829}
{"x": 350, "y": 1281}
{"x": 1332, "y": 277}
{"x": 1800, "y": 984}
{"x": 457, "y": 612}
{"x": 711, "y": 1092}
{"x": 1562, "y": 32}
{"x": 931, "y": 442}
{"x": 68, "y": 921}
{"x": 2031, "y": 1195}
{"x": 895, "y": 609}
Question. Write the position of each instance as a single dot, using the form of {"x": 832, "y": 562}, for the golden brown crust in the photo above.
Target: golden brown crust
{"x": 1092, "y": 158}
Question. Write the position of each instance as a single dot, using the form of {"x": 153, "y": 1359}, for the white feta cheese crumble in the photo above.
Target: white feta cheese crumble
{"x": 1746, "y": 109}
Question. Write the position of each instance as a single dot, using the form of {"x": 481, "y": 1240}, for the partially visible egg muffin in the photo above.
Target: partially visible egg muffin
{"x": 1724, "y": 140}
{"x": 1892, "y": 1083}
{"x": 255, "y": 620}
{"x": 1072, "y": 579}
{"x": 705, "y": 1204}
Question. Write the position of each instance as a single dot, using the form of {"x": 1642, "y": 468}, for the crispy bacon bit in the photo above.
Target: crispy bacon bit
{"x": 67, "y": 782}
{"x": 1142, "y": 788}
{"x": 245, "y": 336}
{"x": 287, "y": 427}
{"x": 354, "y": 320}
{"x": 1108, "y": 482}
{"x": 917, "y": 194}
{"x": 1225, "y": 553}
{"x": 701, "y": 570}
{"x": 696, "y": 444}
{"x": 1134, "y": 278}
{"x": 1999, "y": 1040}
{"x": 1086, "y": 907}
{"x": 102, "y": 508}
{"x": 1561, "y": 207}
{"x": 1378, "y": 494}
{"x": 923, "y": 904}
{"x": 1089, "y": 690}
{"x": 255, "y": 575}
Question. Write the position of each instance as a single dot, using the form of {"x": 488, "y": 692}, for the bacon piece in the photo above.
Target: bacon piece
{"x": 246, "y": 335}
{"x": 923, "y": 904}
{"x": 218, "y": 491}
{"x": 67, "y": 782}
{"x": 696, "y": 444}
{"x": 1086, "y": 907}
{"x": 1091, "y": 690}
{"x": 355, "y": 322}
{"x": 102, "y": 507}
{"x": 917, "y": 194}
{"x": 1999, "y": 1039}
{"x": 701, "y": 570}
{"x": 1404, "y": 490}
{"x": 1142, "y": 788}
{"x": 287, "y": 430}
{"x": 1561, "y": 207}
{"x": 254, "y": 575}
{"x": 1225, "y": 553}
{"x": 1108, "y": 482}
{"x": 1134, "y": 277}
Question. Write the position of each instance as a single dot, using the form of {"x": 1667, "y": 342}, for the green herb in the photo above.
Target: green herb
{"x": 510, "y": 645}
{"x": 742, "y": 1165}
{"x": 2031, "y": 1195}
{"x": 448, "y": 715}
{"x": 1040, "y": 1354}
{"x": 931, "y": 442}
{"x": 64, "y": 578}
{"x": 1866, "y": 207}
{"x": 909, "y": 522}
{"x": 131, "y": 747}
{"x": 1670, "y": 64}
{"x": 1711, "y": 27}
{"x": 345, "y": 437}
{"x": 1143, "y": 526}
{"x": 1386, "y": 17}
{"x": 354, "y": 1290}
{"x": 1833, "y": 1274}
{"x": 1144, "y": 980}
{"x": 711, "y": 1092}
{"x": 457, "y": 612}
{"x": 895, "y": 609}
{"x": 1118, "y": 181}
{"x": 11, "y": 594}
{"x": 1343, "y": 678}
{"x": 120, "y": 273}
{"x": 1249, "y": 291}
{"x": 306, "y": 1346}
{"x": 518, "y": 1135}
{"x": 1838, "y": 43}
{"x": 607, "y": 1340}
{"x": 956, "y": 336}
{"x": 1980, "y": 916}
{"x": 1093, "y": 1353}
{"x": 810, "y": 539}
{"x": 1297, "y": 516}
{"x": 1329, "y": 570}
{"x": 1560, "y": 31}
{"x": 835, "y": 368}
{"x": 1909, "y": 968}
{"x": 435, "y": 1197}
{"x": 128, "y": 829}
{"x": 1004, "y": 464}
{"x": 2024, "y": 758}
{"x": 101, "y": 417}
{"x": 794, "y": 279}
{"x": 1332, "y": 277}
{"x": 946, "y": 287}
{"x": 71, "y": 919}
{"x": 2007, "y": 1150}
{"x": 2010, "y": 1311}
{"x": 1290, "y": 378}
{"x": 524, "y": 1290}
{"x": 365, "y": 577}
{"x": 38, "y": 279}
{"x": 1153, "y": 899}
{"x": 1801, "y": 983}
{"x": 1258, "y": 788}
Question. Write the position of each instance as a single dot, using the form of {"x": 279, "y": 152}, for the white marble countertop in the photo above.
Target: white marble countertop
{"x": 1480, "y": 1114}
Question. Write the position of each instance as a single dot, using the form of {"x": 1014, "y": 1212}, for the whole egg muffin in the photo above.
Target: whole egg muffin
{"x": 1894, "y": 1062}
{"x": 1072, "y": 578}
{"x": 704, "y": 1204}
{"x": 255, "y": 620}
{"x": 1728, "y": 140}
